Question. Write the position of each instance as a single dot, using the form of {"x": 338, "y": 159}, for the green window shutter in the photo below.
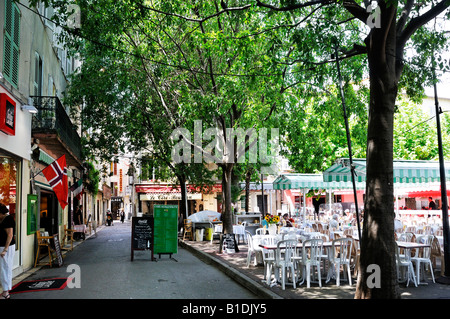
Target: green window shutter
{"x": 11, "y": 43}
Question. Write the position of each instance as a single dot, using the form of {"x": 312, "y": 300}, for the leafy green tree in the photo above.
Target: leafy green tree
{"x": 380, "y": 33}
{"x": 415, "y": 136}
{"x": 237, "y": 63}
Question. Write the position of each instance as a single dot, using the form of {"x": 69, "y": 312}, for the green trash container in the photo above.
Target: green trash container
{"x": 209, "y": 234}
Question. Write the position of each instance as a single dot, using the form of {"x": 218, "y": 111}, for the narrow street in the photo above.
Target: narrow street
{"x": 107, "y": 272}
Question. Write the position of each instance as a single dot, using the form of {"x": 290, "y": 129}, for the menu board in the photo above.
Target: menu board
{"x": 228, "y": 243}
{"x": 57, "y": 248}
{"x": 142, "y": 234}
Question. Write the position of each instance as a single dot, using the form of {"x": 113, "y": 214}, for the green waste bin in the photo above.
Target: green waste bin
{"x": 209, "y": 234}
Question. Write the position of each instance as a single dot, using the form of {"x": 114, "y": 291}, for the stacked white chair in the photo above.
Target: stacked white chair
{"x": 284, "y": 261}
{"x": 268, "y": 258}
{"x": 343, "y": 258}
{"x": 252, "y": 249}
{"x": 311, "y": 257}
{"x": 404, "y": 262}
{"x": 423, "y": 259}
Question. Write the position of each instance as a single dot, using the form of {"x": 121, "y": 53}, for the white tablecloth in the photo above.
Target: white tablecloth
{"x": 79, "y": 228}
{"x": 237, "y": 229}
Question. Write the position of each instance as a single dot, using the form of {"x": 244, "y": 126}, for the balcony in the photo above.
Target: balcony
{"x": 55, "y": 131}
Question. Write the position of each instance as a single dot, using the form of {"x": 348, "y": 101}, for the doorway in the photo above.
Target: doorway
{"x": 48, "y": 215}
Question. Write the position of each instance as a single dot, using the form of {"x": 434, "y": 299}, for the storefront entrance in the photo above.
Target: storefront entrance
{"x": 10, "y": 193}
{"x": 48, "y": 215}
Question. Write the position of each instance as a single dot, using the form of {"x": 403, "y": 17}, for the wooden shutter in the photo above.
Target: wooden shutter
{"x": 11, "y": 43}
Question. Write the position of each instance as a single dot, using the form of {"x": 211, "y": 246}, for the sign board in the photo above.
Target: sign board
{"x": 32, "y": 212}
{"x": 228, "y": 243}
{"x": 7, "y": 114}
{"x": 142, "y": 234}
{"x": 57, "y": 247}
{"x": 168, "y": 196}
{"x": 166, "y": 229}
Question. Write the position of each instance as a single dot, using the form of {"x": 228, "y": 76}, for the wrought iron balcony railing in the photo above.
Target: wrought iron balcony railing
{"x": 52, "y": 118}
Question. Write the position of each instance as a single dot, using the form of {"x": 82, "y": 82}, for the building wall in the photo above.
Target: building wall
{"x": 36, "y": 39}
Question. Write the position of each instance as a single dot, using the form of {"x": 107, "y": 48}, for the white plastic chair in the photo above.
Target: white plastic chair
{"x": 244, "y": 224}
{"x": 288, "y": 236}
{"x": 216, "y": 230}
{"x": 404, "y": 262}
{"x": 424, "y": 259}
{"x": 407, "y": 236}
{"x": 252, "y": 250}
{"x": 311, "y": 257}
{"x": 268, "y": 257}
{"x": 260, "y": 231}
{"x": 284, "y": 261}
{"x": 343, "y": 248}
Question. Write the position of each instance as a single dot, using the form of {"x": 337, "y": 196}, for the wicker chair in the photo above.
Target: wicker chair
{"x": 436, "y": 252}
{"x": 188, "y": 234}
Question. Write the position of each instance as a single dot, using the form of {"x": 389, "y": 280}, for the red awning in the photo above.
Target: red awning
{"x": 432, "y": 193}
{"x": 146, "y": 188}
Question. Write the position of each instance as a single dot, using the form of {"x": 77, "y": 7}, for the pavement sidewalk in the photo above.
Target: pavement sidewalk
{"x": 235, "y": 266}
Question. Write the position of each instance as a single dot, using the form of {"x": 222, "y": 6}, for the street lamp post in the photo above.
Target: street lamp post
{"x": 446, "y": 234}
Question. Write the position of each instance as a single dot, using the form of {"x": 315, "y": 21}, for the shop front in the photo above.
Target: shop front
{"x": 166, "y": 196}
{"x": 15, "y": 132}
{"x": 163, "y": 194}
{"x": 10, "y": 168}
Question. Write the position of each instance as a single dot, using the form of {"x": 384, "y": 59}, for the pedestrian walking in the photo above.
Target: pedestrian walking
{"x": 109, "y": 218}
{"x": 122, "y": 215}
{"x": 78, "y": 220}
{"x": 7, "y": 250}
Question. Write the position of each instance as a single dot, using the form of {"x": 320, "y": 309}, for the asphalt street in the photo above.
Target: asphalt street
{"x": 106, "y": 272}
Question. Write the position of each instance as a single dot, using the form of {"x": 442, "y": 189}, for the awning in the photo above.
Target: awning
{"x": 310, "y": 181}
{"x": 405, "y": 171}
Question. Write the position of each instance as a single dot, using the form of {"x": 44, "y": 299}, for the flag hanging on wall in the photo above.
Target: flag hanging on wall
{"x": 56, "y": 174}
{"x": 77, "y": 189}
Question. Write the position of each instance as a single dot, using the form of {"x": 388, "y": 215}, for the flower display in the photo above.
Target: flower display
{"x": 271, "y": 219}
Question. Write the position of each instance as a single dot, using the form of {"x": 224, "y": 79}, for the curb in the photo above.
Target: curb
{"x": 237, "y": 276}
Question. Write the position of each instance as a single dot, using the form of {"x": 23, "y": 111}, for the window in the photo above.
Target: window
{"x": 11, "y": 43}
{"x": 37, "y": 82}
{"x": 10, "y": 188}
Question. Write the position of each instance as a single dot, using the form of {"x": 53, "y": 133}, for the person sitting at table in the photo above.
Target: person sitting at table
{"x": 397, "y": 224}
{"x": 264, "y": 222}
{"x": 334, "y": 223}
{"x": 286, "y": 221}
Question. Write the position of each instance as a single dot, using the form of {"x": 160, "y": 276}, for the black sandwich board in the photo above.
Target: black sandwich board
{"x": 228, "y": 243}
{"x": 142, "y": 235}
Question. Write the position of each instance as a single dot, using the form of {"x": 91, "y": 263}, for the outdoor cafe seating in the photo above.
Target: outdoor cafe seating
{"x": 301, "y": 254}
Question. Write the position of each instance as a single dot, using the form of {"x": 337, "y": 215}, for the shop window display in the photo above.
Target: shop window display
{"x": 9, "y": 173}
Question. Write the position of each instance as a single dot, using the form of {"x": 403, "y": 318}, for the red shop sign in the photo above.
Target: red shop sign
{"x": 7, "y": 114}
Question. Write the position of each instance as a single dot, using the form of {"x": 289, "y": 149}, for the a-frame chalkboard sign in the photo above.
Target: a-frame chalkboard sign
{"x": 142, "y": 232}
{"x": 228, "y": 244}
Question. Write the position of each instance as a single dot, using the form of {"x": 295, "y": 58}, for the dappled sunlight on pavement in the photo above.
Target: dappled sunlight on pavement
{"x": 330, "y": 290}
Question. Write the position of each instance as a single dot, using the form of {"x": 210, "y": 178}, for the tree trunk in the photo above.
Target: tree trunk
{"x": 378, "y": 242}
{"x": 227, "y": 213}
{"x": 248, "y": 175}
{"x": 183, "y": 207}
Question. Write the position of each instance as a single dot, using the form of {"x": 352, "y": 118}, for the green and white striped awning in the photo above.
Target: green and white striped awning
{"x": 405, "y": 171}
{"x": 309, "y": 181}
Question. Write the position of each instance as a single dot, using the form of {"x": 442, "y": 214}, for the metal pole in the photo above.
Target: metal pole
{"x": 262, "y": 191}
{"x": 349, "y": 143}
{"x": 446, "y": 278}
